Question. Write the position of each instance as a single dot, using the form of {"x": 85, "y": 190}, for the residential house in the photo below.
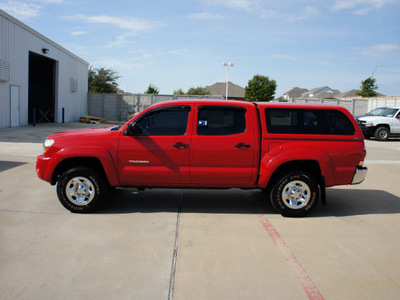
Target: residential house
{"x": 321, "y": 92}
{"x": 295, "y": 92}
{"x": 235, "y": 92}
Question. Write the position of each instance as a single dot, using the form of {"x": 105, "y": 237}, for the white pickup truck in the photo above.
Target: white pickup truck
{"x": 381, "y": 122}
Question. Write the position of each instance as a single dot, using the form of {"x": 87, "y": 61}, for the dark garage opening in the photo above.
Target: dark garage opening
{"x": 41, "y": 88}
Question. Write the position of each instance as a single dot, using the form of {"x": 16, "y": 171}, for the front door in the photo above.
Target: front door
{"x": 159, "y": 154}
{"x": 223, "y": 147}
{"x": 396, "y": 124}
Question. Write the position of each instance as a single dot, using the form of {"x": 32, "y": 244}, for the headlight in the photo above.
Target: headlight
{"x": 47, "y": 144}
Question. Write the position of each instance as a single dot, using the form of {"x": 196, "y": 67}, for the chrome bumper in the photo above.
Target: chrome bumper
{"x": 359, "y": 175}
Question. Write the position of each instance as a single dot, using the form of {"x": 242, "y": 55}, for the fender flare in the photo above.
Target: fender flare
{"x": 101, "y": 153}
{"x": 269, "y": 164}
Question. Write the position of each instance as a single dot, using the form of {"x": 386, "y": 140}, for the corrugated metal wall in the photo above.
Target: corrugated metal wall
{"x": 16, "y": 41}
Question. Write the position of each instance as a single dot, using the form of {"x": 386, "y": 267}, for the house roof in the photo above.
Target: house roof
{"x": 315, "y": 90}
{"x": 326, "y": 96}
{"x": 295, "y": 92}
{"x": 351, "y": 93}
{"x": 219, "y": 89}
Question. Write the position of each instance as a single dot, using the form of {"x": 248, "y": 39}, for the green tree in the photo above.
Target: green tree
{"x": 260, "y": 88}
{"x": 368, "y": 88}
{"x": 199, "y": 91}
{"x": 102, "y": 80}
{"x": 179, "y": 92}
{"x": 152, "y": 89}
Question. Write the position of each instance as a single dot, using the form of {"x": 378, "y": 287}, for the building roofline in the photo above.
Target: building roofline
{"x": 39, "y": 35}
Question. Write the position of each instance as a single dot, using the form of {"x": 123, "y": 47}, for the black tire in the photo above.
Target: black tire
{"x": 304, "y": 191}
{"x": 81, "y": 190}
{"x": 382, "y": 133}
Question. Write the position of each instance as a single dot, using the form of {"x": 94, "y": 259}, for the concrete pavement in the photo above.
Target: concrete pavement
{"x": 195, "y": 244}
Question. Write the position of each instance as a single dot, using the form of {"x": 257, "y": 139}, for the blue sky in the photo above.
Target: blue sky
{"x": 182, "y": 43}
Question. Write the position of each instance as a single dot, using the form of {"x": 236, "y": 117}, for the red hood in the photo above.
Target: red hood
{"x": 78, "y": 132}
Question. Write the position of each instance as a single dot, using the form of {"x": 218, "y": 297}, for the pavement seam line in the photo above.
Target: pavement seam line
{"x": 175, "y": 252}
{"x": 294, "y": 265}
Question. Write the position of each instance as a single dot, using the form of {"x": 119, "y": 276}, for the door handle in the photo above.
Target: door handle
{"x": 180, "y": 145}
{"x": 242, "y": 146}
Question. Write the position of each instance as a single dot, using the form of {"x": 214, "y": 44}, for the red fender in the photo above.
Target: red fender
{"x": 269, "y": 163}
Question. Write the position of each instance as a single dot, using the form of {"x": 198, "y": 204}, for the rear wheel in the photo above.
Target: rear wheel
{"x": 382, "y": 133}
{"x": 294, "y": 194}
{"x": 81, "y": 190}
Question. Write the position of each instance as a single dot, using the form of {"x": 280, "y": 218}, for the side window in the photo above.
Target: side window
{"x": 221, "y": 120}
{"x": 165, "y": 121}
{"x": 297, "y": 121}
{"x": 340, "y": 124}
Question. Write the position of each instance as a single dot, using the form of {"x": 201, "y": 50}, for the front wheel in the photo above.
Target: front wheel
{"x": 81, "y": 190}
{"x": 294, "y": 194}
{"x": 382, "y": 134}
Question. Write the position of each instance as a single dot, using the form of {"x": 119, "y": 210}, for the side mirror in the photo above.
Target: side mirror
{"x": 132, "y": 129}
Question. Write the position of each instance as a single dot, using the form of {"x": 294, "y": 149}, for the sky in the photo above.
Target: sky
{"x": 179, "y": 44}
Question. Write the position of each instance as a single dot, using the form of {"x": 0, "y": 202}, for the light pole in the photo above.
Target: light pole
{"x": 227, "y": 65}
{"x": 375, "y": 70}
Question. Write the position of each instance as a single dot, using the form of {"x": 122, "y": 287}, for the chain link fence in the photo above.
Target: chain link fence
{"x": 120, "y": 107}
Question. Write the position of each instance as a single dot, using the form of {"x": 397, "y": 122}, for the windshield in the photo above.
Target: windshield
{"x": 383, "y": 111}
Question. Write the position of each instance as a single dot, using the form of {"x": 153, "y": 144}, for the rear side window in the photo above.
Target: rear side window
{"x": 308, "y": 121}
{"x": 165, "y": 121}
{"x": 339, "y": 122}
{"x": 221, "y": 120}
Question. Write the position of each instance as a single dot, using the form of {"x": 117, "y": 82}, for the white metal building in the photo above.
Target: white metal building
{"x": 39, "y": 80}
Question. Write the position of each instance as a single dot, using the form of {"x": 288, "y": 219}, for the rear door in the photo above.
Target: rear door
{"x": 223, "y": 146}
{"x": 159, "y": 154}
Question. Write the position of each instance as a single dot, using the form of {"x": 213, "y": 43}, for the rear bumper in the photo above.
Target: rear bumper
{"x": 359, "y": 175}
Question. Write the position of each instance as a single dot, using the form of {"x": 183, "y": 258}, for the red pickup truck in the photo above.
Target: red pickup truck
{"x": 291, "y": 151}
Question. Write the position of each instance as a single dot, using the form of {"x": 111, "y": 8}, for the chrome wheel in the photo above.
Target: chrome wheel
{"x": 296, "y": 194}
{"x": 80, "y": 191}
{"x": 383, "y": 134}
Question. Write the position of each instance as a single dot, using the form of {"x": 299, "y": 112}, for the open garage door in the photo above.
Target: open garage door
{"x": 42, "y": 71}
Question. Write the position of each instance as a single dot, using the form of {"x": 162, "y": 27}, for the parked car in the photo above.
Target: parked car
{"x": 381, "y": 123}
{"x": 291, "y": 151}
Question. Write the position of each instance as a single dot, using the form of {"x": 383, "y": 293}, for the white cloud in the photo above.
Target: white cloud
{"x": 51, "y": 1}
{"x": 360, "y": 7}
{"x": 284, "y": 57}
{"x": 21, "y": 10}
{"x": 78, "y": 32}
{"x": 379, "y": 50}
{"x": 305, "y": 14}
{"x": 131, "y": 24}
{"x": 238, "y": 4}
{"x": 204, "y": 16}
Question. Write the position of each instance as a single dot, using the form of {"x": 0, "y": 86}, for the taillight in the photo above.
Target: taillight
{"x": 362, "y": 156}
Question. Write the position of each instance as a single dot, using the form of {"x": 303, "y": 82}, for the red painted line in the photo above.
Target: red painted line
{"x": 294, "y": 265}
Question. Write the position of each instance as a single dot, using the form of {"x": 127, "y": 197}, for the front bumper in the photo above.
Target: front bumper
{"x": 368, "y": 130}
{"x": 359, "y": 175}
{"x": 45, "y": 167}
